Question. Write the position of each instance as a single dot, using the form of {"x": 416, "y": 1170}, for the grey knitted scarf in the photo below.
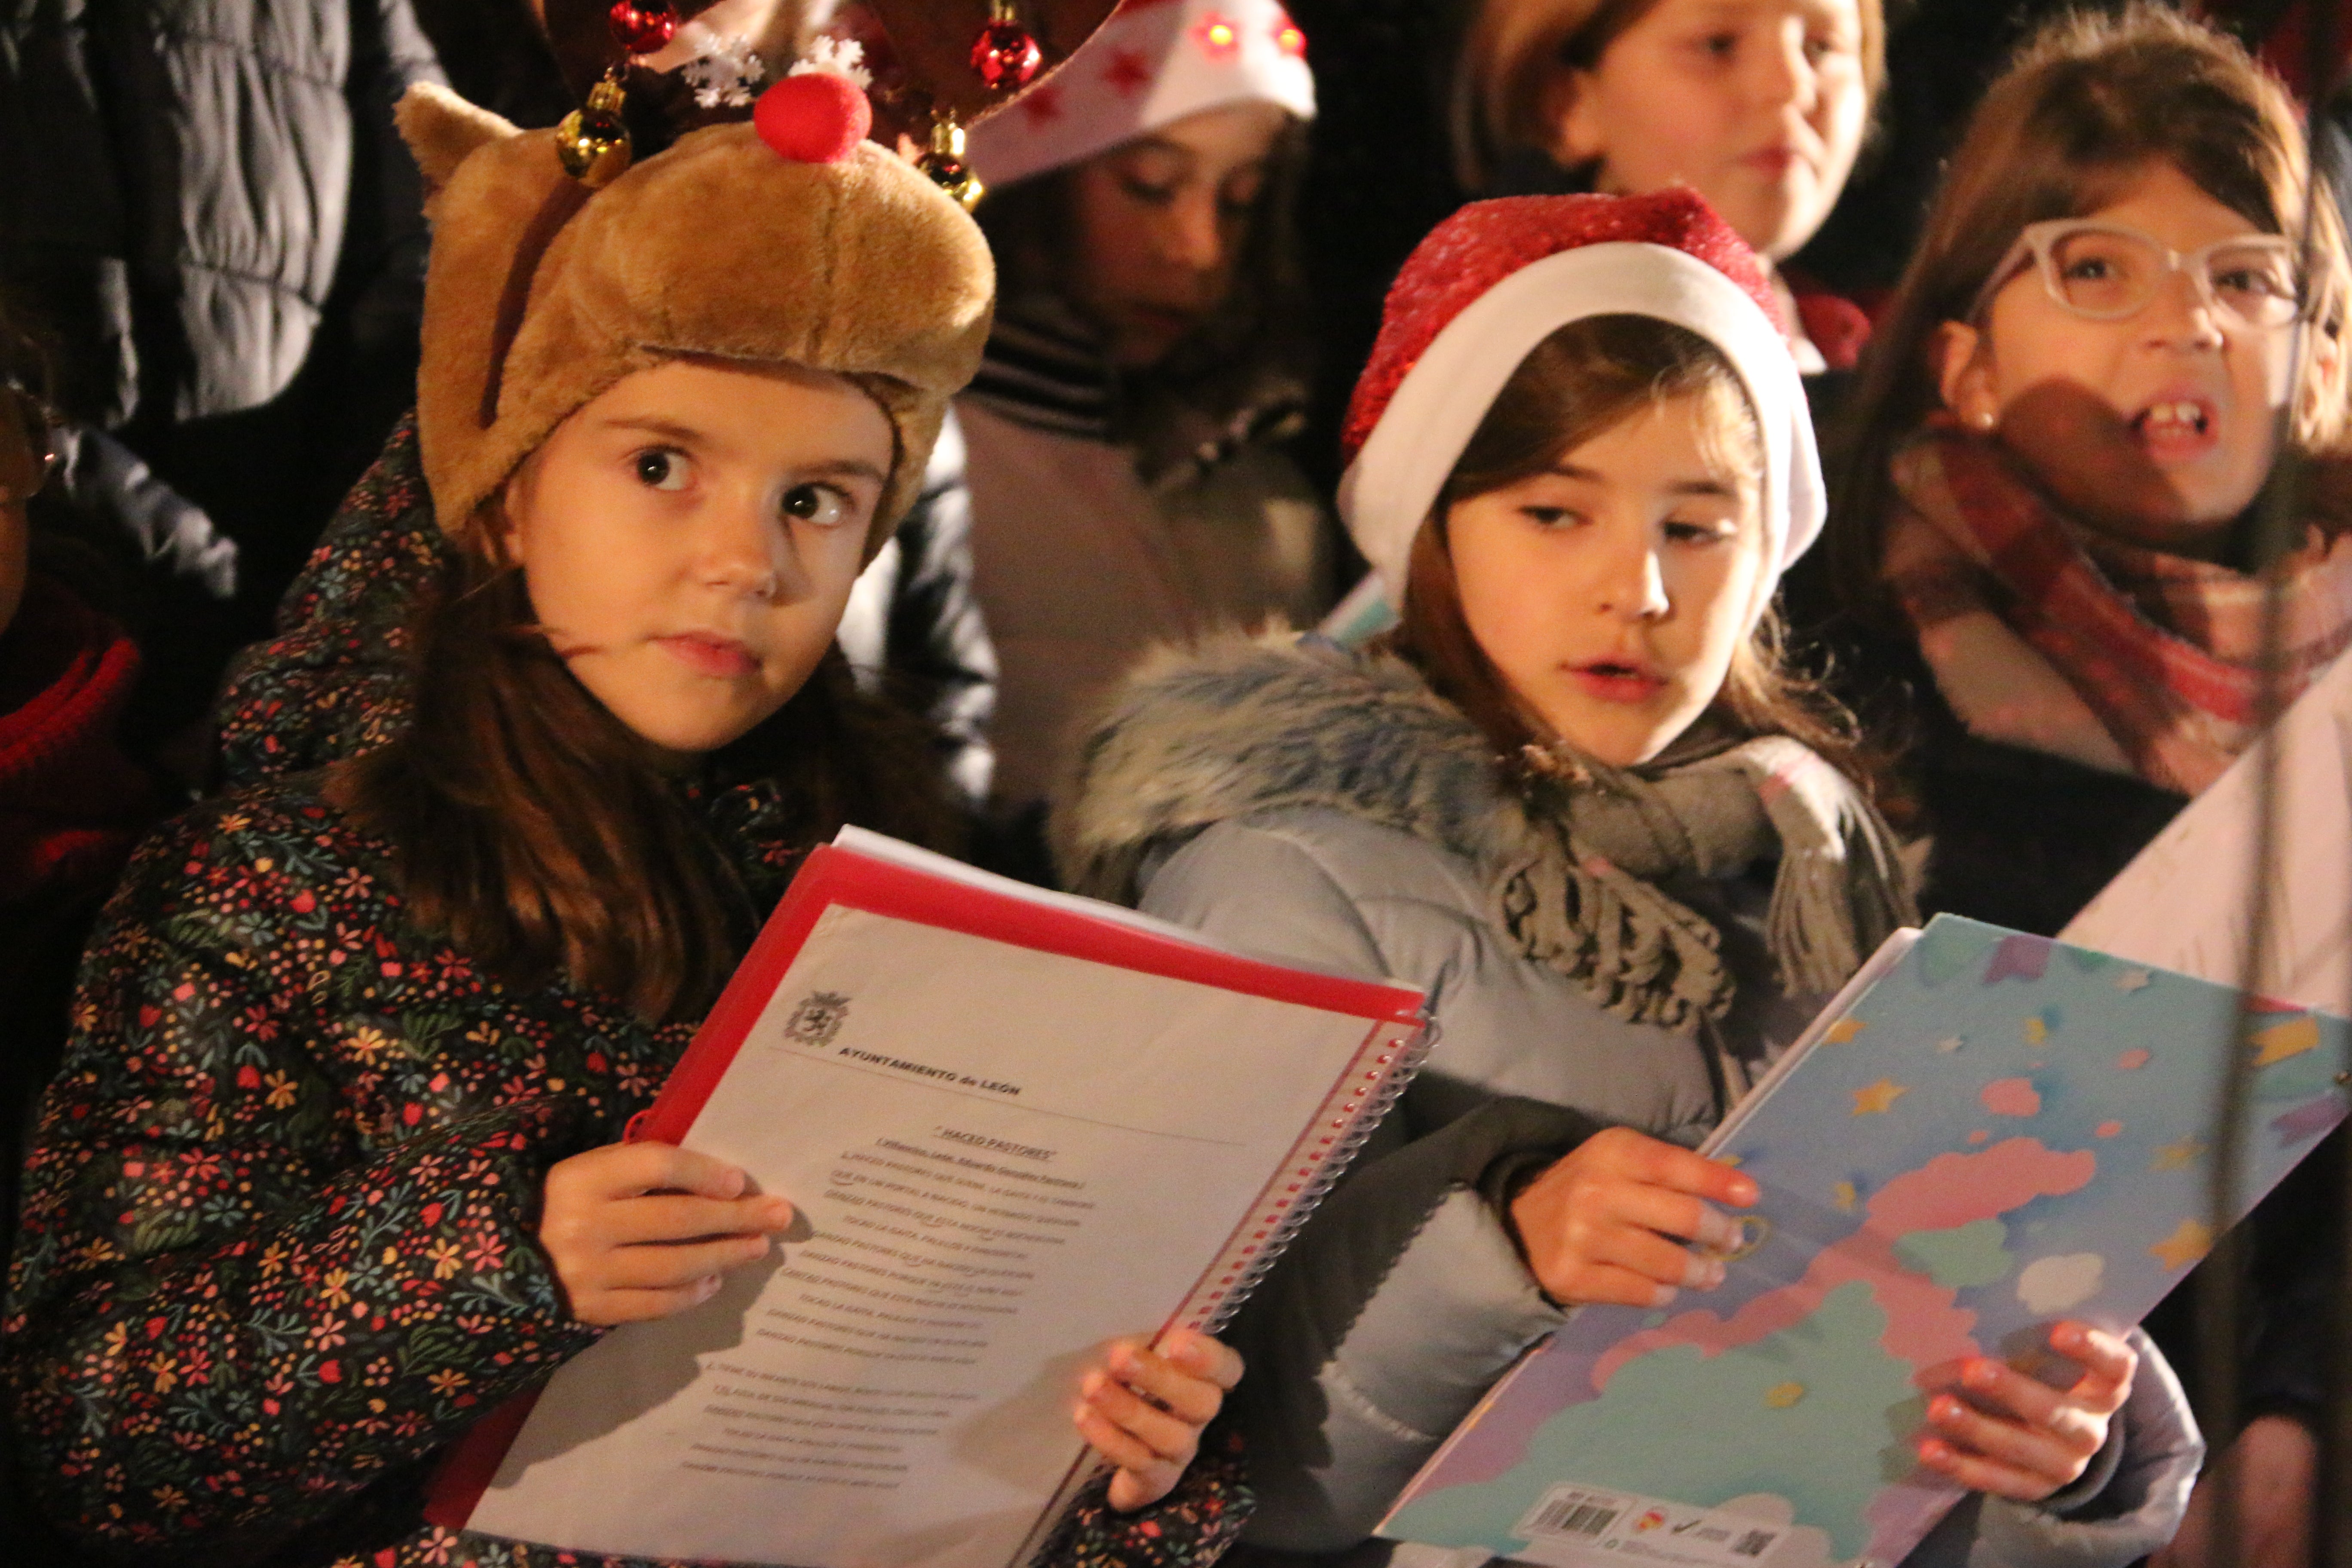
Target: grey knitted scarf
{"x": 1583, "y": 893}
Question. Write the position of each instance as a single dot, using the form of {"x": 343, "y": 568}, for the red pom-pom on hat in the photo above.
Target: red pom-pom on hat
{"x": 1487, "y": 241}
{"x": 813, "y": 117}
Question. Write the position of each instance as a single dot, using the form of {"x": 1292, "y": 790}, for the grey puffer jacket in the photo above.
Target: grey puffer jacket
{"x": 178, "y": 183}
{"x": 1336, "y": 812}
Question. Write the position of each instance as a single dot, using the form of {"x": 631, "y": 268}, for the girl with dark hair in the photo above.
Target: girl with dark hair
{"x": 1577, "y": 797}
{"x": 333, "y": 1166}
{"x": 2107, "y": 350}
{"x": 1127, "y": 433}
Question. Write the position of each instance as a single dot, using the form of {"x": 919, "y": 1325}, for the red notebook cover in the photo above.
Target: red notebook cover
{"x": 836, "y": 876}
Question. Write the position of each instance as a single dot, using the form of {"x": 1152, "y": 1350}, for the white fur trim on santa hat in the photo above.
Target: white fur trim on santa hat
{"x": 1151, "y": 64}
{"x": 1393, "y": 484}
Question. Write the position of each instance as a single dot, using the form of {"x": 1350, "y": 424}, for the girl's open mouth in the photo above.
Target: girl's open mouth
{"x": 707, "y": 655}
{"x": 2176, "y": 428}
{"x": 1612, "y": 681}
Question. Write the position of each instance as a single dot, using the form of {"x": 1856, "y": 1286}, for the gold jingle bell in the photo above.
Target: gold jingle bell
{"x": 594, "y": 141}
{"x": 946, "y": 164}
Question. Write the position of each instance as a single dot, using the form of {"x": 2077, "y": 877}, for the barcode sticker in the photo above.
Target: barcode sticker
{"x": 1575, "y": 1526}
{"x": 1568, "y": 1512}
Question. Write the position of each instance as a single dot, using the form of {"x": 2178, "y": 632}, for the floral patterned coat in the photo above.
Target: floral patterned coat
{"x": 278, "y": 1244}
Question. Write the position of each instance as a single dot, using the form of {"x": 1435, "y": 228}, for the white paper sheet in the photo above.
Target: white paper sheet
{"x": 2187, "y": 901}
{"x": 1003, "y": 1158}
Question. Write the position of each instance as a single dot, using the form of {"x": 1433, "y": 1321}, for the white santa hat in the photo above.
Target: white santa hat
{"x": 1498, "y": 278}
{"x": 1154, "y": 62}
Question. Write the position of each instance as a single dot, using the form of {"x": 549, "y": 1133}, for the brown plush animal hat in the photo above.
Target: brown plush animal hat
{"x": 835, "y": 254}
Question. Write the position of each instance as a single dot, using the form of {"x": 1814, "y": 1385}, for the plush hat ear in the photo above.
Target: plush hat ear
{"x": 442, "y": 131}
{"x": 506, "y": 201}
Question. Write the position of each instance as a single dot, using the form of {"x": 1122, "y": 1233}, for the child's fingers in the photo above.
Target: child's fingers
{"x": 2053, "y": 1455}
{"x": 1205, "y": 1356}
{"x": 1167, "y": 1434}
{"x": 1130, "y": 1491}
{"x": 1658, "y": 1164}
{"x": 1191, "y": 1399}
{"x": 604, "y": 1309}
{"x": 2108, "y": 1362}
{"x": 1153, "y": 1477}
{"x": 625, "y": 1170}
{"x": 1665, "y": 1212}
{"x": 1592, "y": 1284}
{"x": 1642, "y": 1251}
{"x": 2004, "y": 1390}
{"x": 1982, "y": 1475}
{"x": 658, "y": 1217}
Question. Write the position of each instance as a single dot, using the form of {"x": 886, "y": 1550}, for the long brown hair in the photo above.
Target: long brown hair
{"x": 1576, "y": 384}
{"x": 1513, "y": 48}
{"x": 533, "y": 827}
{"x": 2089, "y": 103}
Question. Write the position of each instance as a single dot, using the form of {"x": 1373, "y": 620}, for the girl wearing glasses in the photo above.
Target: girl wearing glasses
{"x": 2101, "y": 353}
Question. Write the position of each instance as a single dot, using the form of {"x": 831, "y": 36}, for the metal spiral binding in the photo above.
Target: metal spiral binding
{"x": 1262, "y": 1239}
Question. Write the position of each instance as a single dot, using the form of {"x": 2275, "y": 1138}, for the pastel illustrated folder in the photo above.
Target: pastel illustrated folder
{"x": 1014, "y": 1125}
{"x": 1985, "y": 1134}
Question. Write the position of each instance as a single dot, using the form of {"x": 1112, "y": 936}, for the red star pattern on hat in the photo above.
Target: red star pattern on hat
{"x": 1486, "y": 242}
{"x": 1129, "y": 71}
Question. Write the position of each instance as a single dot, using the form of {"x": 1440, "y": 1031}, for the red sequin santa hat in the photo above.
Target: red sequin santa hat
{"x": 1154, "y": 62}
{"x": 1496, "y": 278}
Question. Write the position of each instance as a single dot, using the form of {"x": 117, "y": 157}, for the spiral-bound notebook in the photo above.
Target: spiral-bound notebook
{"x": 1015, "y": 1125}
{"x": 1986, "y": 1132}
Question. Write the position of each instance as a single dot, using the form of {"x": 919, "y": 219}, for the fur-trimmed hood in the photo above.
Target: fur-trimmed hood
{"x": 1197, "y": 736}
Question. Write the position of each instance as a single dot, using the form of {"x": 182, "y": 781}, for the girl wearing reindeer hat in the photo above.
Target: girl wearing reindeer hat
{"x": 1577, "y": 797}
{"x": 333, "y": 1166}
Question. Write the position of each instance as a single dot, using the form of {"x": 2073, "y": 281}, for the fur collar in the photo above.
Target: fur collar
{"x": 1200, "y": 735}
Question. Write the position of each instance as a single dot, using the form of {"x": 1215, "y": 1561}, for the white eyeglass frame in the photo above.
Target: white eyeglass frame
{"x": 2036, "y": 239}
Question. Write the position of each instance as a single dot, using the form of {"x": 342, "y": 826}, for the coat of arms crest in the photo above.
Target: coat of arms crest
{"x": 818, "y": 1019}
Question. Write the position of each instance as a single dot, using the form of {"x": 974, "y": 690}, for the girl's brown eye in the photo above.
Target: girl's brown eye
{"x": 661, "y": 468}
{"x": 820, "y": 504}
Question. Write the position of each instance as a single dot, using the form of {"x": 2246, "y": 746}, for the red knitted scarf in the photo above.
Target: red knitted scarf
{"x": 2046, "y": 635}
{"x": 72, "y": 803}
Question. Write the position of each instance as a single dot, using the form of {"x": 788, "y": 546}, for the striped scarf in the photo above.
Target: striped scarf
{"x": 2044, "y": 634}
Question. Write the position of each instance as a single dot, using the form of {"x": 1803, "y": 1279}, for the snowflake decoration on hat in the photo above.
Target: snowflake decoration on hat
{"x": 726, "y": 73}
{"x": 841, "y": 57}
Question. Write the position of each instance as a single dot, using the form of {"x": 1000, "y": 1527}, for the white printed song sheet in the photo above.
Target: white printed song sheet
{"x": 2186, "y": 902}
{"x": 1001, "y": 1158}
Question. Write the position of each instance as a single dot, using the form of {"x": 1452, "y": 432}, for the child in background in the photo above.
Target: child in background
{"x": 2104, "y": 350}
{"x": 1760, "y": 105}
{"x": 332, "y": 1168}
{"x": 1129, "y": 482}
{"x": 1578, "y": 798}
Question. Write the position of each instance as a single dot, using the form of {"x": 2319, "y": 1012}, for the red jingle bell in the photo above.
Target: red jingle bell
{"x": 642, "y": 29}
{"x": 813, "y": 117}
{"x": 1005, "y": 57}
